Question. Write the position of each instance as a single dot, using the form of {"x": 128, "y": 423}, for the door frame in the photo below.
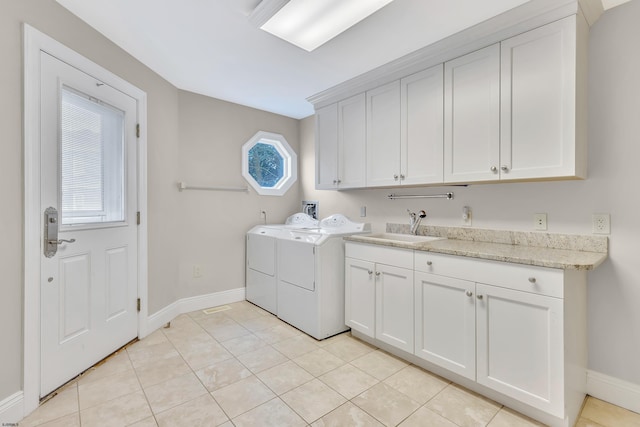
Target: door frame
{"x": 33, "y": 43}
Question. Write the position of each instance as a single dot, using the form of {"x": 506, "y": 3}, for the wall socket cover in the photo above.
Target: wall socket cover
{"x": 601, "y": 223}
{"x": 540, "y": 221}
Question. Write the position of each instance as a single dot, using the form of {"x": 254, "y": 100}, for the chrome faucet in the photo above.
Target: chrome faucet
{"x": 414, "y": 220}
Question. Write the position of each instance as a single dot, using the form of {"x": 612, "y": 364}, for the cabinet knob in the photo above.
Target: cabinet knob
{"x": 377, "y": 274}
{"x": 494, "y": 169}
{"x": 339, "y": 181}
{"x": 401, "y": 176}
{"x": 335, "y": 181}
{"x": 395, "y": 177}
{"x": 469, "y": 293}
{"x": 429, "y": 263}
{"x": 370, "y": 272}
{"x": 532, "y": 279}
{"x": 504, "y": 168}
{"x": 479, "y": 297}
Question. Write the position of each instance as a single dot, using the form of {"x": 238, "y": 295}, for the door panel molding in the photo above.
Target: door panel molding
{"x": 34, "y": 43}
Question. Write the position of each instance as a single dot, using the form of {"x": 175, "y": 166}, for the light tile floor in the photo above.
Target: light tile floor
{"x": 244, "y": 367}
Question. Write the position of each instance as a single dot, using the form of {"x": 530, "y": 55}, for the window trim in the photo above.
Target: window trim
{"x": 290, "y": 169}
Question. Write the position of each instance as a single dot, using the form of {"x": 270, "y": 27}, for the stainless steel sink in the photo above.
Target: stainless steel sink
{"x": 404, "y": 238}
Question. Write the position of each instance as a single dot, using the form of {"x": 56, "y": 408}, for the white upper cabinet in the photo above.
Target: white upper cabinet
{"x": 383, "y": 135}
{"x": 405, "y": 131}
{"x": 352, "y": 131}
{"x": 340, "y": 144}
{"x": 514, "y": 110}
{"x": 327, "y": 147}
{"x": 472, "y": 116}
{"x": 422, "y": 127}
{"x": 540, "y": 134}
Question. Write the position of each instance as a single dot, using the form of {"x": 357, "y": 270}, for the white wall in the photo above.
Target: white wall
{"x": 50, "y": 18}
{"x": 190, "y": 138}
{"x": 612, "y": 186}
{"x": 212, "y": 225}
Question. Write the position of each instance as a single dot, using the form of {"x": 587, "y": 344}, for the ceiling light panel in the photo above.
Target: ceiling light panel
{"x": 311, "y": 23}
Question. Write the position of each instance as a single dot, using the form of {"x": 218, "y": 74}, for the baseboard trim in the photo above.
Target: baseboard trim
{"x": 614, "y": 390}
{"x": 12, "y": 409}
{"x": 186, "y": 305}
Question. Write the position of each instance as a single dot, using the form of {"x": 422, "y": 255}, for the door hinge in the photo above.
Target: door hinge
{"x": 138, "y": 304}
{"x": 138, "y": 130}
{"x": 138, "y": 217}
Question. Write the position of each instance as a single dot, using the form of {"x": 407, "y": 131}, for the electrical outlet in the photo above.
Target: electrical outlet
{"x": 197, "y": 271}
{"x": 466, "y": 216}
{"x": 540, "y": 221}
{"x": 601, "y": 224}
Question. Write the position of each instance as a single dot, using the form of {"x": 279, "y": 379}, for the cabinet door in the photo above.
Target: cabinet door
{"x": 445, "y": 323}
{"x": 394, "y": 306}
{"x": 538, "y": 102}
{"x": 383, "y": 135}
{"x": 472, "y": 116}
{"x": 327, "y": 147}
{"x": 352, "y": 131}
{"x": 422, "y": 127}
{"x": 520, "y": 350}
{"x": 360, "y": 296}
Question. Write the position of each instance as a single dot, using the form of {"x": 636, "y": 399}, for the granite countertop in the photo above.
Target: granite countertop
{"x": 568, "y": 252}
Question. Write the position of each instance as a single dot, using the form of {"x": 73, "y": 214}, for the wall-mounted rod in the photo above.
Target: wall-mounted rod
{"x": 183, "y": 186}
{"x": 447, "y": 196}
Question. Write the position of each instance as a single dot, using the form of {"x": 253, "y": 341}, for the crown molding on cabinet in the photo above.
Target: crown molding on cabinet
{"x": 523, "y": 18}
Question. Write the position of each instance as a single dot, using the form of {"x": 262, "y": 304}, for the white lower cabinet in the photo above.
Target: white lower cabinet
{"x": 379, "y": 293}
{"x": 520, "y": 346}
{"x": 514, "y": 332}
{"x": 445, "y": 323}
{"x": 394, "y": 306}
{"x": 360, "y": 296}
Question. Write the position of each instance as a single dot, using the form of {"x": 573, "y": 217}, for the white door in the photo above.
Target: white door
{"x": 520, "y": 346}
{"x": 422, "y": 127}
{"x": 360, "y": 296}
{"x": 445, "y": 323}
{"x": 394, "y": 306}
{"x": 472, "y": 116}
{"x": 327, "y": 147}
{"x": 538, "y": 124}
{"x": 352, "y": 142}
{"x": 383, "y": 135}
{"x": 88, "y": 175}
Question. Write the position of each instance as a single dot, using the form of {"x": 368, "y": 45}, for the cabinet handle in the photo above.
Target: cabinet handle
{"x": 469, "y": 293}
{"x": 479, "y": 297}
{"x": 532, "y": 279}
{"x": 504, "y": 168}
{"x": 494, "y": 169}
{"x": 429, "y": 263}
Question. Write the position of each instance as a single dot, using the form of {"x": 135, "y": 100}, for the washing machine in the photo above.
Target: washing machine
{"x": 261, "y": 273}
{"x": 310, "y": 275}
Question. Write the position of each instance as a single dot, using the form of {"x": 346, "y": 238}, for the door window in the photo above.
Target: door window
{"x": 91, "y": 159}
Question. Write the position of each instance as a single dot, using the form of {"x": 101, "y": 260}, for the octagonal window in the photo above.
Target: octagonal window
{"x": 269, "y": 164}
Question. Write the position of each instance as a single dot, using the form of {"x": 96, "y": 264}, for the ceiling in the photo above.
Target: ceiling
{"x": 209, "y": 46}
